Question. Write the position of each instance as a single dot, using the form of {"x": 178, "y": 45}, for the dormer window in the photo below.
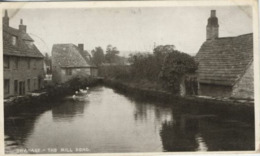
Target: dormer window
{"x": 29, "y": 44}
{"x": 14, "y": 40}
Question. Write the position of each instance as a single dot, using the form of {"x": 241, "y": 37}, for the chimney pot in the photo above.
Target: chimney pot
{"x": 22, "y": 27}
{"x": 212, "y": 26}
{"x": 6, "y": 19}
{"x": 81, "y": 47}
{"x": 213, "y": 13}
{"x": 6, "y": 13}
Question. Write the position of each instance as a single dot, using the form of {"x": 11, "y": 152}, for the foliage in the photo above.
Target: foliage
{"x": 115, "y": 72}
{"x": 80, "y": 81}
{"x": 111, "y": 54}
{"x": 165, "y": 65}
{"x": 143, "y": 65}
{"x": 98, "y": 56}
{"x": 48, "y": 62}
{"x": 175, "y": 66}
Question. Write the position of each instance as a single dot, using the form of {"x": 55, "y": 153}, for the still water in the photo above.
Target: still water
{"x": 107, "y": 121}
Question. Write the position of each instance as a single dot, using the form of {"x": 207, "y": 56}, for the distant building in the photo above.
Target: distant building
{"x": 23, "y": 62}
{"x": 85, "y": 54}
{"x": 67, "y": 62}
{"x": 225, "y": 64}
{"x": 47, "y": 68}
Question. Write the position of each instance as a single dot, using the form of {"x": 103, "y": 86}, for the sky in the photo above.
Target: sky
{"x": 130, "y": 29}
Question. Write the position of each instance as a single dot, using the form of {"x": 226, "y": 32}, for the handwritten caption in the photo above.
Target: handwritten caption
{"x": 53, "y": 150}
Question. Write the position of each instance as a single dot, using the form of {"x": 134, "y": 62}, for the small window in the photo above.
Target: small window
{"x": 6, "y": 62}
{"x": 7, "y": 86}
{"x": 28, "y": 63}
{"x": 29, "y": 44}
{"x": 14, "y": 40}
{"x": 34, "y": 83}
{"x": 34, "y": 64}
{"x": 16, "y": 61}
{"x": 29, "y": 85}
{"x": 15, "y": 87}
{"x": 68, "y": 71}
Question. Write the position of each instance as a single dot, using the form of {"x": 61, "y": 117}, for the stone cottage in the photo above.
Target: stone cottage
{"x": 23, "y": 62}
{"x": 67, "y": 62}
{"x": 225, "y": 64}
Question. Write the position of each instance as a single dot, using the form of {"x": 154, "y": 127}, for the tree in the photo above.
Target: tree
{"x": 143, "y": 66}
{"x": 47, "y": 60}
{"x": 175, "y": 66}
{"x": 98, "y": 56}
{"x": 111, "y": 54}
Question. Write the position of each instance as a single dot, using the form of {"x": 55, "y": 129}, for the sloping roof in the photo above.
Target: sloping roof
{"x": 68, "y": 56}
{"x": 223, "y": 61}
{"x": 85, "y": 54}
{"x": 21, "y": 49}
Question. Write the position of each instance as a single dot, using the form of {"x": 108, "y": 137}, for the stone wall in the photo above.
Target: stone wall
{"x": 23, "y": 74}
{"x": 244, "y": 88}
{"x": 214, "y": 90}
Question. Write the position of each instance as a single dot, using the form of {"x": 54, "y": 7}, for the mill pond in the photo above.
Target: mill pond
{"x": 108, "y": 120}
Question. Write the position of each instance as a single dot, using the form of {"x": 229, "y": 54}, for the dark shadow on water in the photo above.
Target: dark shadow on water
{"x": 196, "y": 127}
{"x": 206, "y": 133}
{"x": 68, "y": 110}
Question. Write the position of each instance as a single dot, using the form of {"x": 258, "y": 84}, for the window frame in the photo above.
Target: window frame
{"x": 16, "y": 86}
{"x": 7, "y": 58}
{"x": 14, "y": 40}
{"x": 16, "y": 62}
{"x": 7, "y": 86}
{"x": 28, "y": 85}
{"x": 68, "y": 71}
{"x": 28, "y": 63}
{"x": 34, "y": 63}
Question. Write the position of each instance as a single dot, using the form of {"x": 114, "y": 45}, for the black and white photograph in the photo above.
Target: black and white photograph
{"x": 129, "y": 77}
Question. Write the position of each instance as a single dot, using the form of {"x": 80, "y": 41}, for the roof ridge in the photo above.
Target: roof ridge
{"x": 234, "y": 36}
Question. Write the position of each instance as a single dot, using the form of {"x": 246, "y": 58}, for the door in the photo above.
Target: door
{"x": 20, "y": 88}
{"x": 39, "y": 82}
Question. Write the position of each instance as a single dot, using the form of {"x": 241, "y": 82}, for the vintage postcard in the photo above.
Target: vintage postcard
{"x": 135, "y": 78}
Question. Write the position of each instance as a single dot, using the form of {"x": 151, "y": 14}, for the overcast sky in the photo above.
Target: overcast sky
{"x": 130, "y": 29}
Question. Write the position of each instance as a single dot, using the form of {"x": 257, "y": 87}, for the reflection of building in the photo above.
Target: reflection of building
{"x": 68, "y": 110}
{"x": 67, "y": 62}
{"x": 225, "y": 64}
{"x": 23, "y": 62}
{"x": 206, "y": 132}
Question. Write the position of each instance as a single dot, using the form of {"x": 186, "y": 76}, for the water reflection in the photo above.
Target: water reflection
{"x": 206, "y": 133}
{"x": 69, "y": 109}
{"x": 110, "y": 121}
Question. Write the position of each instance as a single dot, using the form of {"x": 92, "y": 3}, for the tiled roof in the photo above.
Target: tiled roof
{"x": 67, "y": 55}
{"x": 21, "y": 49}
{"x": 85, "y": 54}
{"x": 223, "y": 61}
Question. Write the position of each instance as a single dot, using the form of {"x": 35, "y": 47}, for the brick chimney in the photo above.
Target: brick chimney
{"x": 81, "y": 47}
{"x": 212, "y": 27}
{"x": 6, "y": 19}
{"x": 22, "y": 27}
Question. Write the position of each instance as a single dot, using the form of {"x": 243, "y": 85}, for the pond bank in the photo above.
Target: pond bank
{"x": 242, "y": 109}
{"x": 44, "y": 96}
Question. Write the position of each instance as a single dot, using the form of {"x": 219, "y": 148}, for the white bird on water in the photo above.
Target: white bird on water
{"x": 83, "y": 91}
